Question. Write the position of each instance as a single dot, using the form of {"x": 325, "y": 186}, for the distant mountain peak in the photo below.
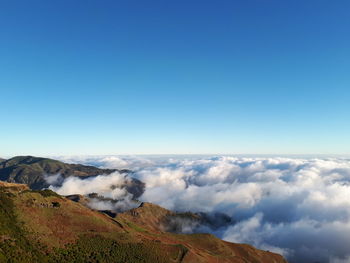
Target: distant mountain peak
{"x": 31, "y": 170}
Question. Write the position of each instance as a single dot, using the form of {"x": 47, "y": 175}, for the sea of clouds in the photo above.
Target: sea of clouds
{"x": 299, "y": 207}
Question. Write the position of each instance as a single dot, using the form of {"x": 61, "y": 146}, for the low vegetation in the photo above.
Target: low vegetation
{"x": 41, "y": 226}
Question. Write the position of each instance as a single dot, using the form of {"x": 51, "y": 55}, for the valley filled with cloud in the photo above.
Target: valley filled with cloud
{"x": 299, "y": 207}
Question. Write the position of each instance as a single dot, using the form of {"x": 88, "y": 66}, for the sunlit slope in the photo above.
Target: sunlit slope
{"x": 41, "y": 226}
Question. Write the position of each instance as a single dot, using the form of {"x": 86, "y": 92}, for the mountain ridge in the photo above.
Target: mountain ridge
{"x": 32, "y": 170}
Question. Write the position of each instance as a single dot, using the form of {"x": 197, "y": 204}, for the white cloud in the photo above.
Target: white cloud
{"x": 106, "y": 185}
{"x": 110, "y": 187}
{"x": 53, "y": 179}
{"x": 108, "y": 161}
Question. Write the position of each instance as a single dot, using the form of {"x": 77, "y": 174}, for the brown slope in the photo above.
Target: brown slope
{"x": 202, "y": 247}
{"x": 41, "y": 226}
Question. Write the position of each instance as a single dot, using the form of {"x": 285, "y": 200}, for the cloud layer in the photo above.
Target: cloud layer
{"x": 111, "y": 191}
{"x": 297, "y": 207}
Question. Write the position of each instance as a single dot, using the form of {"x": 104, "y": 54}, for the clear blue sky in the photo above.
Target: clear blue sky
{"x": 184, "y": 76}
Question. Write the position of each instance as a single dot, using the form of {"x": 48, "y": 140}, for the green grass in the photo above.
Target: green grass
{"x": 136, "y": 227}
{"x": 97, "y": 249}
{"x": 14, "y": 246}
{"x": 44, "y": 193}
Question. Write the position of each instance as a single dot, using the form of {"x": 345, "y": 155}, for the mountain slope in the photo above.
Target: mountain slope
{"x": 32, "y": 171}
{"x": 41, "y": 226}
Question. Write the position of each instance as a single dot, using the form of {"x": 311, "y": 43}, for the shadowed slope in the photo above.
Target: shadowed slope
{"x": 32, "y": 171}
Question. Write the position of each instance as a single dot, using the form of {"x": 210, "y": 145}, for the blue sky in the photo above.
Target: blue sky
{"x": 138, "y": 77}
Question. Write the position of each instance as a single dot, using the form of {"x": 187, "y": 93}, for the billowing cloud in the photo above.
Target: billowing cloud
{"x": 110, "y": 190}
{"x": 297, "y": 207}
{"x": 108, "y": 161}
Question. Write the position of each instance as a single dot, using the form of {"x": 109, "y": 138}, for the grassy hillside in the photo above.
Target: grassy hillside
{"x": 41, "y": 226}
